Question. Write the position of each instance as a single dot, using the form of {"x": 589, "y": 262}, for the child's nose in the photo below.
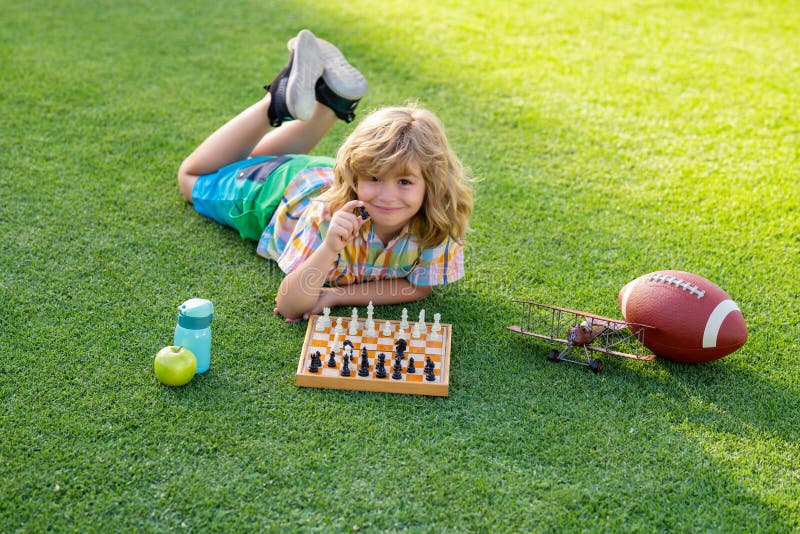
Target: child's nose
{"x": 387, "y": 192}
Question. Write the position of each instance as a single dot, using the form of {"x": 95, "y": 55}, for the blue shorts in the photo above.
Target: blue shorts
{"x": 245, "y": 194}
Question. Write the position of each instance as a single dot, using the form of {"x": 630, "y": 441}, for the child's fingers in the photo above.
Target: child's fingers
{"x": 352, "y": 205}
{"x": 286, "y": 319}
{"x": 344, "y": 225}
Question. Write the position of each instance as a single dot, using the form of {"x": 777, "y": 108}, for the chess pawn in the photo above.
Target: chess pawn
{"x": 397, "y": 373}
{"x": 387, "y": 329}
{"x": 415, "y": 330}
{"x": 436, "y": 326}
{"x": 354, "y": 325}
{"x": 380, "y": 370}
{"x": 345, "y": 371}
{"x": 339, "y": 326}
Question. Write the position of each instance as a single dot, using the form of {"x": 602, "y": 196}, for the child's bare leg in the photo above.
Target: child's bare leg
{"x": 249, "y": 134}
{"x": 297, "y": 137}
{"x": 232, "y": 142}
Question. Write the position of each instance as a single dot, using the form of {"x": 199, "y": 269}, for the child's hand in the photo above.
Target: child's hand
{"x": 327, "y": 298}
{"x": 344, "y": 226}
{"x": 287, "y": 319}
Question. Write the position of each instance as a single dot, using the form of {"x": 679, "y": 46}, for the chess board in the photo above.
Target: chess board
{"x": 420, "y": 348}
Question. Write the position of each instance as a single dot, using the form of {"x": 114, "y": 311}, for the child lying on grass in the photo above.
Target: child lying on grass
{"x": 384, "y": 222}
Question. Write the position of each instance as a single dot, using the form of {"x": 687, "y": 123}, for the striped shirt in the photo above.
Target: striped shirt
{"x": 300, "y": 225}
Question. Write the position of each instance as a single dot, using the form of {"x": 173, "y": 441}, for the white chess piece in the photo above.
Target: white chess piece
{"x": 369, "y": 324}
{"x": 324, "y": 321}
{"x": 339, "y": 326}
{"x": 415, "y": 330}
{"x": 370, "y": 329}
{"x": 354, "y": 326}
{"x": 436, "y": 327}
{"x": 421, "y": 326}
{"x": 404, "y": 319}
{"x": 387, "y": 329}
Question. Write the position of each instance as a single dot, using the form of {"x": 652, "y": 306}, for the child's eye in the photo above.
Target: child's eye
{"x": 373, "y": 179}
{"x": 403, "y": 181}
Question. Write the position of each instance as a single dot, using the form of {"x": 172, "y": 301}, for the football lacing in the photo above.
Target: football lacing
{"x": 677, "y": 282}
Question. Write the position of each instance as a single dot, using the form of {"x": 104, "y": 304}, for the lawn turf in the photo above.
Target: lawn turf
{"x": 610, "y": 138}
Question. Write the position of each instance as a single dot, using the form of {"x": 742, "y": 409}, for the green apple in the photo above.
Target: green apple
{"x": 175, "y": 366}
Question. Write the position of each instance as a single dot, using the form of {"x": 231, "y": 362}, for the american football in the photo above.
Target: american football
{"x": 695, "y": 320}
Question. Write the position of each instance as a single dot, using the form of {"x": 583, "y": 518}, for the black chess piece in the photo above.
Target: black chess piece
{"x": 364, "y": 355}
{"x": 380, "y": 367}
{"x": 345, "y": 371}
{"x": 401, "y": 345}
{"x": 411, "y": 369}
{"x": 430, "y": 376}
{"x": 315, "y": 363}
{"x": 364, "y": 369}
{"x": 397, "y": 369}
{"x": 429, "y": 365}
{"x": 332, "y": 360}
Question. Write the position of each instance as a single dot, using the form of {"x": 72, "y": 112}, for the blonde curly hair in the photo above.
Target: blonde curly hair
{"x": 392, "y": 138}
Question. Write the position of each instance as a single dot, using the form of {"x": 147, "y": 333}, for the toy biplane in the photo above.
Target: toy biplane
{"x": 583, "y": 333}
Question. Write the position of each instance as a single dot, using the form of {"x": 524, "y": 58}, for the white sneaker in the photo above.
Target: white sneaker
{"x": 340, "y": 76}
{"x": 293, "y": 90}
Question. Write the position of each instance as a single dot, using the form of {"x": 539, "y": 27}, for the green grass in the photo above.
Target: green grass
{"x": 611, "y": 139}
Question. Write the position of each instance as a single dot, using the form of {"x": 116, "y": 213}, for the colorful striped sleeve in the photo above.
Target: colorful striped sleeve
{"x": 308, "y": 234}
{"x": 439, "y": 265}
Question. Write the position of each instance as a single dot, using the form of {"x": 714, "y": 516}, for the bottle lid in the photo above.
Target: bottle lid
{"x": 196, "y": 308}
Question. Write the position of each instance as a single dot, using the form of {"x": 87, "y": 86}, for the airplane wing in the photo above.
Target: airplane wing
{"x": 609, "y": 336}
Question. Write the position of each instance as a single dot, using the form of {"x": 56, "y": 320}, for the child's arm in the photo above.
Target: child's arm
{"x": 379, "y": 292}
{"x": 301, "y": 289}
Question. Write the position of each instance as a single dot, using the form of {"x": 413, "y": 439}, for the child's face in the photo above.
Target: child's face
{"x": 393, "y": 199}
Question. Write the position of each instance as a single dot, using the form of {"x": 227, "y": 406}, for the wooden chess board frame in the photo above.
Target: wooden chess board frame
{"x": 418, "y": 348}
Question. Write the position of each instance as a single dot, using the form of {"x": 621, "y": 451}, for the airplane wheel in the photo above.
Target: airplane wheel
{"x": 553, "y": 356}
{"x": 596, "y": 366}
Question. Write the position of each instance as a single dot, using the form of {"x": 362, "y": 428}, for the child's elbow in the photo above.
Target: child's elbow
{"x": 420, "y": 292}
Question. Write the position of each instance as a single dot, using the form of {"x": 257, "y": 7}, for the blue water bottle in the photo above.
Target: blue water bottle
{"x": 194, "y": 330}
